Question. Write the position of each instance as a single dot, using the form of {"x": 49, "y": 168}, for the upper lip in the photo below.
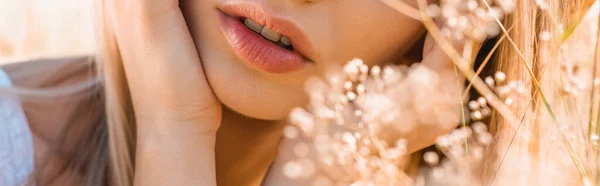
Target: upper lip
{"x": 279, "y": 24}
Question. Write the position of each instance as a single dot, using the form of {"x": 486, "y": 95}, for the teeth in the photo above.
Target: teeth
{"x": 253, "y": 25}
{"x": 270, "y": 34}
{"x": 285, "y": 41}
{"x": 267, "y": 33}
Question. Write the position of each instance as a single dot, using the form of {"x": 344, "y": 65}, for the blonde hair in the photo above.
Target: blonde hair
{"x": 527, "y": 147}
{"x": 119, "y": 109}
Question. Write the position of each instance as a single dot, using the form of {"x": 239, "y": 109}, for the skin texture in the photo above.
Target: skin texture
{"x": 338, "y": 30}
{"x": 176, "y": 122}
{"x": 214, "y": 126}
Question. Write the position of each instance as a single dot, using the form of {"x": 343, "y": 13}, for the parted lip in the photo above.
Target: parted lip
{"x": 273, "y": 21}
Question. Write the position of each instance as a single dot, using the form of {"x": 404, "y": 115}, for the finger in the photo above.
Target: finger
{"x": 429, "y": 98}
{"x": 162, "y": 65}
{"x": 429, "y": 40}
{"x": 434, "y": 56}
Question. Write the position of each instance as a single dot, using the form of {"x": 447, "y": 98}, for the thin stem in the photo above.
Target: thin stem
{"x": 478, "y": 84}
{"x": 513, "y": 137}
{"x": 402, "y": 7}
{"x": 462, "y": 108}
{"x": 574, "y": 24}
{"x": 594, "y": 73}
{"x": 511, "y": 142}
{"x": 592, "y": 102}
{"x": 485, "y": 61}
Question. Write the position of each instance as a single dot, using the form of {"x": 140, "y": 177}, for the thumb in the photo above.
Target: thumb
{"x": 434, "y": 56}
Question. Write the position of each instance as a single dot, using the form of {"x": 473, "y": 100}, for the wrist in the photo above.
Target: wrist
{"x": 161, "y": 130}
{"x": 175, "y": 157}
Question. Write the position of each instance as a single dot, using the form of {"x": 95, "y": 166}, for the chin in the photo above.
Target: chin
{"x": 250, "y": 92}
{"x": 262, "y": 110}
{"x": 253, "y": 97}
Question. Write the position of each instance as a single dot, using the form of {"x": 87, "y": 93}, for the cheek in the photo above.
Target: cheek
{"x": 374, "y": 32}
{"x": 250, "y": 95}
{"x": 382, "y": 42}
{"x": 237, "y": 85}
{"x": 244, "y": 91}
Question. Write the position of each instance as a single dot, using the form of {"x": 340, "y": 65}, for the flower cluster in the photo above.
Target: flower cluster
{"x": 471, "y": 19}
{"x": 344, "y": 119}
{"x": 464, "y": 150}
{"x": 546, "y": 142}
{"x": 508, "y": 91}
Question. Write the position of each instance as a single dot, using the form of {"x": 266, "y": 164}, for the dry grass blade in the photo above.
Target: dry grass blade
{"x": 593, "y": 91}
{"x": 595, "y": 66}
{"x": 511, "y": 142}
{"x": 463, "y": 66}
{"x": 463, "y": 115}
{"x": 488, "y": 57}
{"x": 576, "y": 18}
{"x": 403, "y": 8}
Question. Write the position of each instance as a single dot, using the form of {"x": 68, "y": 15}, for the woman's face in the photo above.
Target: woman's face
{"x": 257, "y": 54}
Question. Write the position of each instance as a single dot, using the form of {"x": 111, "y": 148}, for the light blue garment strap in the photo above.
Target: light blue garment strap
{"x": 16, "y": 146}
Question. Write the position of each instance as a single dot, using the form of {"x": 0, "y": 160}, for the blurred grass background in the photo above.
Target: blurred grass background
{"x": 45, "y": 28}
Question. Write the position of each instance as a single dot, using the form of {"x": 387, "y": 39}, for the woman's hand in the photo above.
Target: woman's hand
{"x": 429, "y": 99}
{"x": 176, "y": 112}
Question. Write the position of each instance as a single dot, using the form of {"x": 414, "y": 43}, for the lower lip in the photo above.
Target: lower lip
{"x": 257, "y": 51}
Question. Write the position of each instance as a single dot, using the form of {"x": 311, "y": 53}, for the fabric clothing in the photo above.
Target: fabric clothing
{"x": 16, "y": 140}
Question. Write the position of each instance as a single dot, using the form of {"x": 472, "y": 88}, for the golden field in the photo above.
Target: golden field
{"x": 44, "y": 28}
